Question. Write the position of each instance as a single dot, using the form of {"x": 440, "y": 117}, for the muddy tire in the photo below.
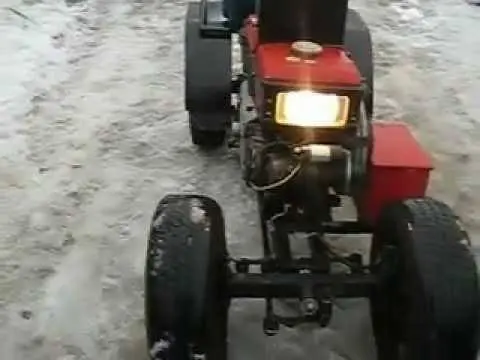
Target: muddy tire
{"x": 427, "y": 303}
{"x": 186, "y": 305}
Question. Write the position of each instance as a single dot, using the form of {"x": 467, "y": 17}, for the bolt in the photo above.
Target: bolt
{"x": 309, "y": 306}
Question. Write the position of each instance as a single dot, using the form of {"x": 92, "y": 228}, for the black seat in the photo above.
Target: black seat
{"x": 321, "y": 21}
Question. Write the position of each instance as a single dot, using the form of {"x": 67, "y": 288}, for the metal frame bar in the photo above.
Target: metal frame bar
{"x": 282, "y": 278}
{"x": 284, "y": 285}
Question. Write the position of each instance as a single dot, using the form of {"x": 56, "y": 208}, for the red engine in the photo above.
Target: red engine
{"x": 398, "y": 167}
{"x": 275, "y": 63}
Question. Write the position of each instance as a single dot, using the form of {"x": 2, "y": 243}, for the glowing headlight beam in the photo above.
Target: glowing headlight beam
{"x": 306, "y": 108}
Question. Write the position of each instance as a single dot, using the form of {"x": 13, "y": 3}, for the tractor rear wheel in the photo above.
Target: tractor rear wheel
{"x": 208, "y": 139}
{"x": 426, "y": 305}
{"x": 358, "y": 42}
{"x": 186, "y": 305}
{"x": 208, "y": 77}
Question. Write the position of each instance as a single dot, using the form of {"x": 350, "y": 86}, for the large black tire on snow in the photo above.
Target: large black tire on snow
{"x": 427, "y": 303}
{"x": 186, "y": 305}
{"x": 358, "y": 42}
{"x": 205, "y": 138}
{"x": 208, "y": 79}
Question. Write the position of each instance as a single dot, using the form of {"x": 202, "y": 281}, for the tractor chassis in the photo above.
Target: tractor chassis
{"x": 308, "y": 279}
{"x": 281, "y": 275}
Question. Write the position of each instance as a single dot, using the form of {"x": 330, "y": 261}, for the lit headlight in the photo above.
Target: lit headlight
{"x": 310, "y": 109}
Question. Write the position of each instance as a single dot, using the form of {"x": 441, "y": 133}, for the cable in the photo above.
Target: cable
{"x": 282, "y": 181}
{"x": 278, "y": 183}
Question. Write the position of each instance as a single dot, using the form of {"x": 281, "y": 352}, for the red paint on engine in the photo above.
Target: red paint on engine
{"x": 275, "y": 63}
{"x": 400, "y": 169}
{"x": 331, "y": 67}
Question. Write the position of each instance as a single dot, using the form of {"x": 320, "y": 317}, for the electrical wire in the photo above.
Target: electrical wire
{"x": 282, "y": 181}
{"x": 278, "y": 183}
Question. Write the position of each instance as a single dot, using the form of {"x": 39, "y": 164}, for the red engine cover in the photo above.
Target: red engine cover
{"x": 274, "y": 63}
{"x": 331, "y": 67}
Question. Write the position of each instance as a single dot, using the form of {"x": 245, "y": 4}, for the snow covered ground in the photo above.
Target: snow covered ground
{"x": 92, "y": 133}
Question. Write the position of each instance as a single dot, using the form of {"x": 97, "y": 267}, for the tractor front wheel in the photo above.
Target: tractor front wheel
{"x": 186, "y": 305}
{"x": 426, "y": 305}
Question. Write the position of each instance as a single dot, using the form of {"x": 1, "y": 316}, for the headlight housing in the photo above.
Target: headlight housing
{"x": 307, "y": 108}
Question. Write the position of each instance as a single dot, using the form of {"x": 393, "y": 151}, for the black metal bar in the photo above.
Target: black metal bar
{"x": 319, "y": 251}
{"x": 276, "y": 285}
{"x": 267, "y": 250}
{"x": 281, "y": 243}
{"x": 347, "y": 227}
{"x": 332, "y": 227}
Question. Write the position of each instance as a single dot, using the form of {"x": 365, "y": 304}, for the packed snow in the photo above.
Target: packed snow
{"x": 93, "y": 133}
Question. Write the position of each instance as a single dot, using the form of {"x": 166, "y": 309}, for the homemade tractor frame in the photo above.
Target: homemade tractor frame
{"x": 300, "y": 113}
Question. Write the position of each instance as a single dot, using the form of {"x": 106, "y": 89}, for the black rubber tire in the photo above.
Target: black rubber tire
{"x": 208, "y": 139}
{"x": 358, "y": 42}
{"x": 207, "y": 66}
{"x": 427, "y": 301}
{"x": 186, "y": 305}
{"x": 208, "y": 79}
